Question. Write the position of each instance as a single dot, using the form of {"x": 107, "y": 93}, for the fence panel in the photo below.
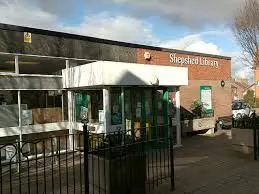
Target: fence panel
{"x": 120, "y": 162}
{"x": 253, "y": 124}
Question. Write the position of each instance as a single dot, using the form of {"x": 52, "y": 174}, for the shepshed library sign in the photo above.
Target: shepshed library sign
{"x": 193, "y": 60}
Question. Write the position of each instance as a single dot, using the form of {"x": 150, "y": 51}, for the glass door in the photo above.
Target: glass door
{"x": 145, "y": 110}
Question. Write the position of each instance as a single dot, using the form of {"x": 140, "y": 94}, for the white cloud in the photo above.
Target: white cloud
{"x": 14, "y": 12}
{"x": 102, "y": 25}
{"x": 116, "y": 27}
{"x": 193, "y": 43}
{"x": 193, "y": 13}
{"x": 204, "y": 47}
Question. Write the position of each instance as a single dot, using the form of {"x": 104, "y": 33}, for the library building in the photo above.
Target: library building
{"x": 50, "y": 81}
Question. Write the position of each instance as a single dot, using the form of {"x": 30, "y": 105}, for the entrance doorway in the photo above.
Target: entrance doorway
{"x": 127, "y": 108}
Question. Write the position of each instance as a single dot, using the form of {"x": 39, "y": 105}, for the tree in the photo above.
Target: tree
{"x": 249, "y": 98}
{"x": 246, "y": 31}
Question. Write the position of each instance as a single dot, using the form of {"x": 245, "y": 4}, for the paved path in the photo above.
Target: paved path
{"x": 208, "y": 165}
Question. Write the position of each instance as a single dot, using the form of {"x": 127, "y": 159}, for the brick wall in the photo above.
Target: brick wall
{"x": 199, "y": 75}
{"x": 221, "y": 96}
{"x": 196, "y": 72}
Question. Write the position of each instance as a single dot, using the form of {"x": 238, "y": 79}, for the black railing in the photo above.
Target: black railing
{"x": 253, "y": 124}
{"x": 246, "y": 122}
{"x": 48, "y": 165}
{"x": 129, "y": 161}
{"x": 119, "y": 162}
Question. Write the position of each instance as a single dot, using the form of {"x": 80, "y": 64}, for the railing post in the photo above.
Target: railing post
{"x": 255, "y": 143}
{"x": 86, "y": 149}
{"x": 19, "y": 164}
{"x": 172, "y": 163}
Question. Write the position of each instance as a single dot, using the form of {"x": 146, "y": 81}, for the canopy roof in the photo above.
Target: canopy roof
{"x": 107, "y": 73}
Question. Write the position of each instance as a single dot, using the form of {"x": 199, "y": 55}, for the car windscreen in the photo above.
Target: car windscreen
{"x": 237, "y": 106}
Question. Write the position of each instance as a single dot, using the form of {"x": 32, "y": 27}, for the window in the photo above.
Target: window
{"x": 116, "y": 107}
{"x": 7, "y": 63}
{"x": 96, "y": 104}
{"x": 128, "y": 108}
{"x": 160, "y": 110}
{"x": 236, "y": 106}
{"x": 41, "y": 107}
{"x": 9, "y": 110}
{"x": 88, "y": 104}
{"x": 41, "y": 65}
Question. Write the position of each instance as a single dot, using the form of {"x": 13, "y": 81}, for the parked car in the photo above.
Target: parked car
{"x": 224, "y": 123}
{"x": 241, "y": 109}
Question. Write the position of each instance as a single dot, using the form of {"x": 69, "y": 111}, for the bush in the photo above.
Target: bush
{"x": 197, "y": 108}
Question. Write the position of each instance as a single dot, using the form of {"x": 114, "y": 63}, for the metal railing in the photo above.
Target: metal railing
{"x": 253, "y": 124}
{"x": 119, "y": 162}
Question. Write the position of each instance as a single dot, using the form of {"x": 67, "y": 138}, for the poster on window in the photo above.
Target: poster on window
{"x": 101, "y": 117}
{"x": 116, "y": 110}
{"x": 26, "y": 117}
{"x": 206, "y": 97}
{"x": 83, "y": 112}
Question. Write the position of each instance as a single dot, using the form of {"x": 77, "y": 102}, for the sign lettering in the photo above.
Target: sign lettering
{"x": 193, "y": 60}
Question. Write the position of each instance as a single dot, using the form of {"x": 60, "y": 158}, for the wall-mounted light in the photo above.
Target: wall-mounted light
{"x": 147, "y": 55}
{"x": 222, "y": 83}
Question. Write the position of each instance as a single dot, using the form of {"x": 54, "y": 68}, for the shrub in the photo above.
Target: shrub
{"x": 197, "y": 108}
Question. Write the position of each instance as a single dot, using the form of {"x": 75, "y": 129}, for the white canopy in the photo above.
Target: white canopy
{"x": 107, "y": 73}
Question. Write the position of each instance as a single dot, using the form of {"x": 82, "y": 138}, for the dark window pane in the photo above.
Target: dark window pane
{"x": 7, "y": 63}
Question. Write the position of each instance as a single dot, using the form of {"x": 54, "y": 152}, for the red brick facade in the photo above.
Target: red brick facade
{"x": 199, "y": 75}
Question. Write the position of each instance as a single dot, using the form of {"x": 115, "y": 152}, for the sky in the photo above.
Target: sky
{"x": 200, "y": 25}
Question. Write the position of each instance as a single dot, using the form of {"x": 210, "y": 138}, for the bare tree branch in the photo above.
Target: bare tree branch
{"x": 246, "y": 31}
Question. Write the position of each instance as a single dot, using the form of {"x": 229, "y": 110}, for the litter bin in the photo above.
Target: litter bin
{"x": 118, "y": 170}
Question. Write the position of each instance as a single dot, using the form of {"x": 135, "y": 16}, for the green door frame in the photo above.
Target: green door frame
{"x": 154, "y": 127}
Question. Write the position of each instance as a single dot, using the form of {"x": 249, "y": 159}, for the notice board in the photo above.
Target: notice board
{"x": 206, "y": 97}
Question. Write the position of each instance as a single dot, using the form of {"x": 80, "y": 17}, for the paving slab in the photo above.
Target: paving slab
{"x": 209, "y": 165}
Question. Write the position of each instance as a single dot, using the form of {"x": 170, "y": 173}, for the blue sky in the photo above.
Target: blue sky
{"x": 200, "y": 25}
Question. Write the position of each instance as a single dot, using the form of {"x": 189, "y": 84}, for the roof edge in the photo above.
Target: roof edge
{"x": 17, "y": 28}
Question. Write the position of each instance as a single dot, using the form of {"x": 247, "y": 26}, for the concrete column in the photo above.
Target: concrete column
{"x": 70, "y": 111}
{"x": 106, "y": 109}
{"x": 16, "y": 63}
{"x": 20, "y": 114}
{"x": 178, "y": 118}
{"x": 70, "y": 116}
